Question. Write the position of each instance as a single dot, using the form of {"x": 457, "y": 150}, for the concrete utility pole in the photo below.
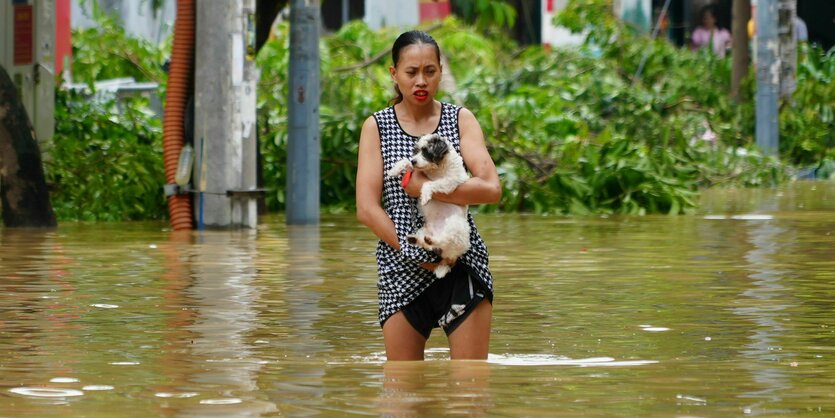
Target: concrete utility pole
{"x": 787, "y": 10}
{"x": 224, "y": 124}
{"x": 303, "y": 135}
{"x": 768, "y": 76}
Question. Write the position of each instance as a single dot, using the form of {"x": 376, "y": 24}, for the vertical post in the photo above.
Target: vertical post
{"x": 224, "y": 114}
{"x": 768, "y": 76}
{"x": 303, "y": 134}
{"x": 43, "y": 115}
{"x": 739, "y": 47}
{"x": 345, "y": 14}
{"x": 788, "y": 47}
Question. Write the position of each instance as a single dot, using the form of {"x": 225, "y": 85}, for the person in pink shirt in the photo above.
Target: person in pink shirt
{"x": 710, "y": 35}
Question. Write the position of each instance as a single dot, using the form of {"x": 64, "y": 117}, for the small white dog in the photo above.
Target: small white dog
{"x": 446, "y": 231}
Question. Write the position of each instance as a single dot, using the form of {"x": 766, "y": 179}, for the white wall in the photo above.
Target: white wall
{"x": 386, "y": 13}
{"x": 557, "y": 35}
{"x": 136, "y": 16}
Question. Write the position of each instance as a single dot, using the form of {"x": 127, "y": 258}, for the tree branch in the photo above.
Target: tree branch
{"x": 380, "y": 55}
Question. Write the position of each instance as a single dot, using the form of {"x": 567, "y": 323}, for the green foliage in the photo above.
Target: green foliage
{"x": 354, "y": 85}
{"x": 486, "y": 14}
{"x": 106, "y": 155}
{"x": 807, "y": 122}
{"x": 105, "y": 160}
{"x": 571, "y": 131}
{"x": 107, "y": 52}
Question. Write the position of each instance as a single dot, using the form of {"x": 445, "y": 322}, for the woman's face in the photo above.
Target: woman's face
{"x": 418, "y": 73}
{"x": 708, "y": 20}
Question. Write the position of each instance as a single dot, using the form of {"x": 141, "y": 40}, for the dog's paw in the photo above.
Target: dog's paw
{"x": 400, "y": 168}
{"x": 395, "y": 172}
{"x": 425, "y": 198}
{"x": 442, "y": 270}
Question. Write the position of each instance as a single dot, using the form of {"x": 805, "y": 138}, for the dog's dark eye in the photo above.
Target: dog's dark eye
{"x": 435, "y": 151}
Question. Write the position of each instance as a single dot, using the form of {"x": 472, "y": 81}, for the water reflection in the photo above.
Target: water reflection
{"x": 302, "y": 386}
{"x": 455, "y": 387}
{"x": 304, "y": 275}
{"x": 711, "y": 315}
{"x": 212, "y": 295}
{"x": 36, "y": 300}
{"x": 765, "y": 306}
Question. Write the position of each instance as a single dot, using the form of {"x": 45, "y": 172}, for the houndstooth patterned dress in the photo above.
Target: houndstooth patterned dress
{"x": 402, "y": 279}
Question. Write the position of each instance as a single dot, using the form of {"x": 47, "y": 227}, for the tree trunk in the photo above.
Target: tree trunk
{"x": 739, "y": 45}
{"x": 25, "y": 198}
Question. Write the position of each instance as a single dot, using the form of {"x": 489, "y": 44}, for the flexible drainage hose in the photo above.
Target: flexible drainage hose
{"x": 179, "y": 82}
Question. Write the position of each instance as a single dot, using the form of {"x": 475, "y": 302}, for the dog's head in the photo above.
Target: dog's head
{"x": 430, "y": 152}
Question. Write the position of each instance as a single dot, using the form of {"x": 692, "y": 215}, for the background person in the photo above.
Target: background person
{"x": 709, "y": 35}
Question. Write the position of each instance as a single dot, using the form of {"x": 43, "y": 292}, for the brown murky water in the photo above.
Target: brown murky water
{"x": 724, "y": 313}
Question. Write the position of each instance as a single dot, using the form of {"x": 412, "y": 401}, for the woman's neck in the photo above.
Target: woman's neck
{"x": 419, "y": 113}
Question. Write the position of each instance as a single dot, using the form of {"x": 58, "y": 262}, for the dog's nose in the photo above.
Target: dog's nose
{"x": 414, "y": 162}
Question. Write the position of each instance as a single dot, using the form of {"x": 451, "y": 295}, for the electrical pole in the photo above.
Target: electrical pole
{"x": 768, "y": 76}
{"x": 787, "y": 10}
{"x": 224, "y": 115}
{"x": 303, "y": 114}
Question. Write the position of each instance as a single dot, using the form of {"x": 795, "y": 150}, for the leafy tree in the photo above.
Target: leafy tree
{"x": 571, "y": 130}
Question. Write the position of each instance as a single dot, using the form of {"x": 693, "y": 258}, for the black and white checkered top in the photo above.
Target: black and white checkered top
{"x": 402, "y": 278}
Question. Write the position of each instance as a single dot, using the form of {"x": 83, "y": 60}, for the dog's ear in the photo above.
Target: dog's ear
{"x": 436, "y": 149}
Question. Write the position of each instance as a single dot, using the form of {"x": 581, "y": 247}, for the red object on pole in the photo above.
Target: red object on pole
{"x": 63, "y": 34}
{"x": 549, "y": 6}
{"x": 24, "y": 32}
{"x": 433, "y": 9}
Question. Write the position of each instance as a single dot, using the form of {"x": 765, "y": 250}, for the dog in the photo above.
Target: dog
{"x": 446, "y": 231}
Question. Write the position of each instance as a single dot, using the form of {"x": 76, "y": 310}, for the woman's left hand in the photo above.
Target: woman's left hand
{"x": 415, "y": 183}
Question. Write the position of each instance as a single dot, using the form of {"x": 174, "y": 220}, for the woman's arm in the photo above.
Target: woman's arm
{"x": 700, "y": 38}
{"x": 369, "y": 195}
{"x": 483, "y": 186}
{"x": 370, "y": 185}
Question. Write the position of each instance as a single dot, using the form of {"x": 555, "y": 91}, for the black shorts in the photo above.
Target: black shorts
{"x": 447, "y": 302}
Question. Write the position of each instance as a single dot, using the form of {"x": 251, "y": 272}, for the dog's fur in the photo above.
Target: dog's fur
{"x": 446, "y": 231}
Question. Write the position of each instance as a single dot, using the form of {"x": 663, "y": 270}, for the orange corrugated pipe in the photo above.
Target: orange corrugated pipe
{"x": 173, "y": 132}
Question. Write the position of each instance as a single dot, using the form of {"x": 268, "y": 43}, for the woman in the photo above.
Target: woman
{"x": 412, "y": 300}
{"x": 709, "y": 35}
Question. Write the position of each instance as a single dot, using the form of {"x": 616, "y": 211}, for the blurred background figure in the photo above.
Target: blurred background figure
{"x": 708, "y": 34}
{"x": 801, "y": 33}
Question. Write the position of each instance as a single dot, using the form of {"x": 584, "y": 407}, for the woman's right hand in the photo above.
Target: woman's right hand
{"x": 415, "y": 183}
{"x": 429, "y": 266}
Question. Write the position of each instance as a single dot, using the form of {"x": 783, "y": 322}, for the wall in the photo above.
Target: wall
{"x": 136, "y": 16}
{"x": 385, "y": 13}
{"x": 553, "y": 35}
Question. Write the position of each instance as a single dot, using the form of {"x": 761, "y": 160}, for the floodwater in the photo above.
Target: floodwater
{"x": 729, "y": 312}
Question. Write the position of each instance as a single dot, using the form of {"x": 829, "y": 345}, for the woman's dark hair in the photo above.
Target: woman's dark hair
{"x": 405, "y": 39}
{"x": 710, "y": 7}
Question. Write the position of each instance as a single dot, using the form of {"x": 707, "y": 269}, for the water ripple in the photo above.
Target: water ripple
{"x": 46, "y": 392}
